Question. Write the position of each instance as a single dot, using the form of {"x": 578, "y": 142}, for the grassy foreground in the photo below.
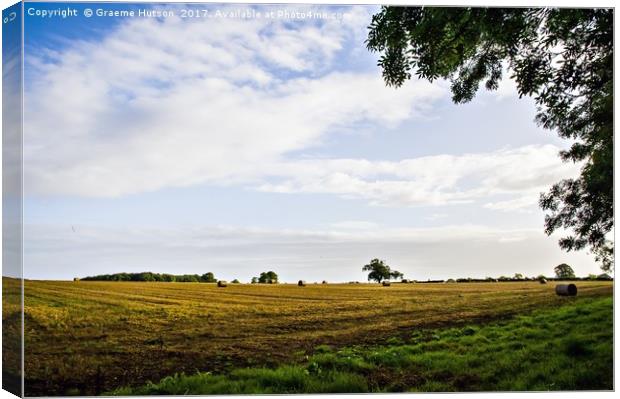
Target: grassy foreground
{"x": 92, "y": 337}
{"x": 567, "y": 348}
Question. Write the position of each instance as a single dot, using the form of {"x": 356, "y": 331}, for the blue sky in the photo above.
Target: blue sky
{"x": 11, "y": 142}
{"x": 243, "y": 145}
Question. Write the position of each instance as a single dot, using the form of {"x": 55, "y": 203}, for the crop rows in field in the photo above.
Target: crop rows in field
{"x": 96, "y": 336}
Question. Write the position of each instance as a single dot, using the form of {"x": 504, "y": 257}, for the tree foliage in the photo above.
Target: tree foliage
{"x": 563, "y": 58}
{"x": 269, "y": 277}
{"x": 379, "y": 271}
{"x": 149, "y": 276}
{"x": 564, "y": 271}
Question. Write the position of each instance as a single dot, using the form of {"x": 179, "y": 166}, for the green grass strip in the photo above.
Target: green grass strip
{"x": 567, "y": 348}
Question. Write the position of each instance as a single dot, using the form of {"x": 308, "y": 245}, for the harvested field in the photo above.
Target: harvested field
{"x": 92, "y": 337}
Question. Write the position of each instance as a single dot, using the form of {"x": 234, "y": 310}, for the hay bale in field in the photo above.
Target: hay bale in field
{"x": 542, "y": 280}
{"x": 301, "y": 283}
{"x": 76, "y": 279}
{"x": 566, "y": 289}
{"x": 404, "y": 281}
{"x": 386, "y": 283}
{"x": 222, "y": 283}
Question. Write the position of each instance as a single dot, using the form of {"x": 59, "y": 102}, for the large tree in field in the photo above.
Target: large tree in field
{"x": 379, "y": 271}
{"x": 269, "y": 277}
{"x": 563, "y": 58}
{"x": 564, "y": 271}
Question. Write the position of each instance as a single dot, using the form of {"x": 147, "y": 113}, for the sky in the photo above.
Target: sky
{"x": 237, "y": 144}
{"x": 11, "y": 143}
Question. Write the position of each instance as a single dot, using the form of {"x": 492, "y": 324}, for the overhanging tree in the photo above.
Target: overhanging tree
{"x": 563, "y": 58}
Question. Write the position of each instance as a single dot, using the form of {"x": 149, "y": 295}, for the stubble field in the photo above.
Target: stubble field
{"x": 94, "y": 337}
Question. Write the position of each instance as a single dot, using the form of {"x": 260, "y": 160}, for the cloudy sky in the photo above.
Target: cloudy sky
{"x": 240, "y": 145}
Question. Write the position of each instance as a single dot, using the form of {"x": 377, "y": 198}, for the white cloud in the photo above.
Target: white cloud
{"x": 521, "y": 203}
{"x": 507, "y": 87}
{"x": 173, "y": 103}
{"x": 138, "y": 112}
{"x": 437, "y": 216}
{"x": 354, "y": 225}
{"x": 521, "y": 173}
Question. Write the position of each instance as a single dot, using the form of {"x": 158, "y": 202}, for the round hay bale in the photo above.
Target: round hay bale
{"x": 386, "y": 283}
{"x": 222, "y": 283}
{"x": 301, "y": 283}
{"x": 542, "y": 281}
{"x": 566, "y": 289}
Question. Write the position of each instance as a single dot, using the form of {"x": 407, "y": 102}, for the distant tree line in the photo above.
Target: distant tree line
{"x": 590, "y": 277}
{"x": 269, "y": 277}
{"x": 379, "y": 271}
{"x": 149, "y": 276}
